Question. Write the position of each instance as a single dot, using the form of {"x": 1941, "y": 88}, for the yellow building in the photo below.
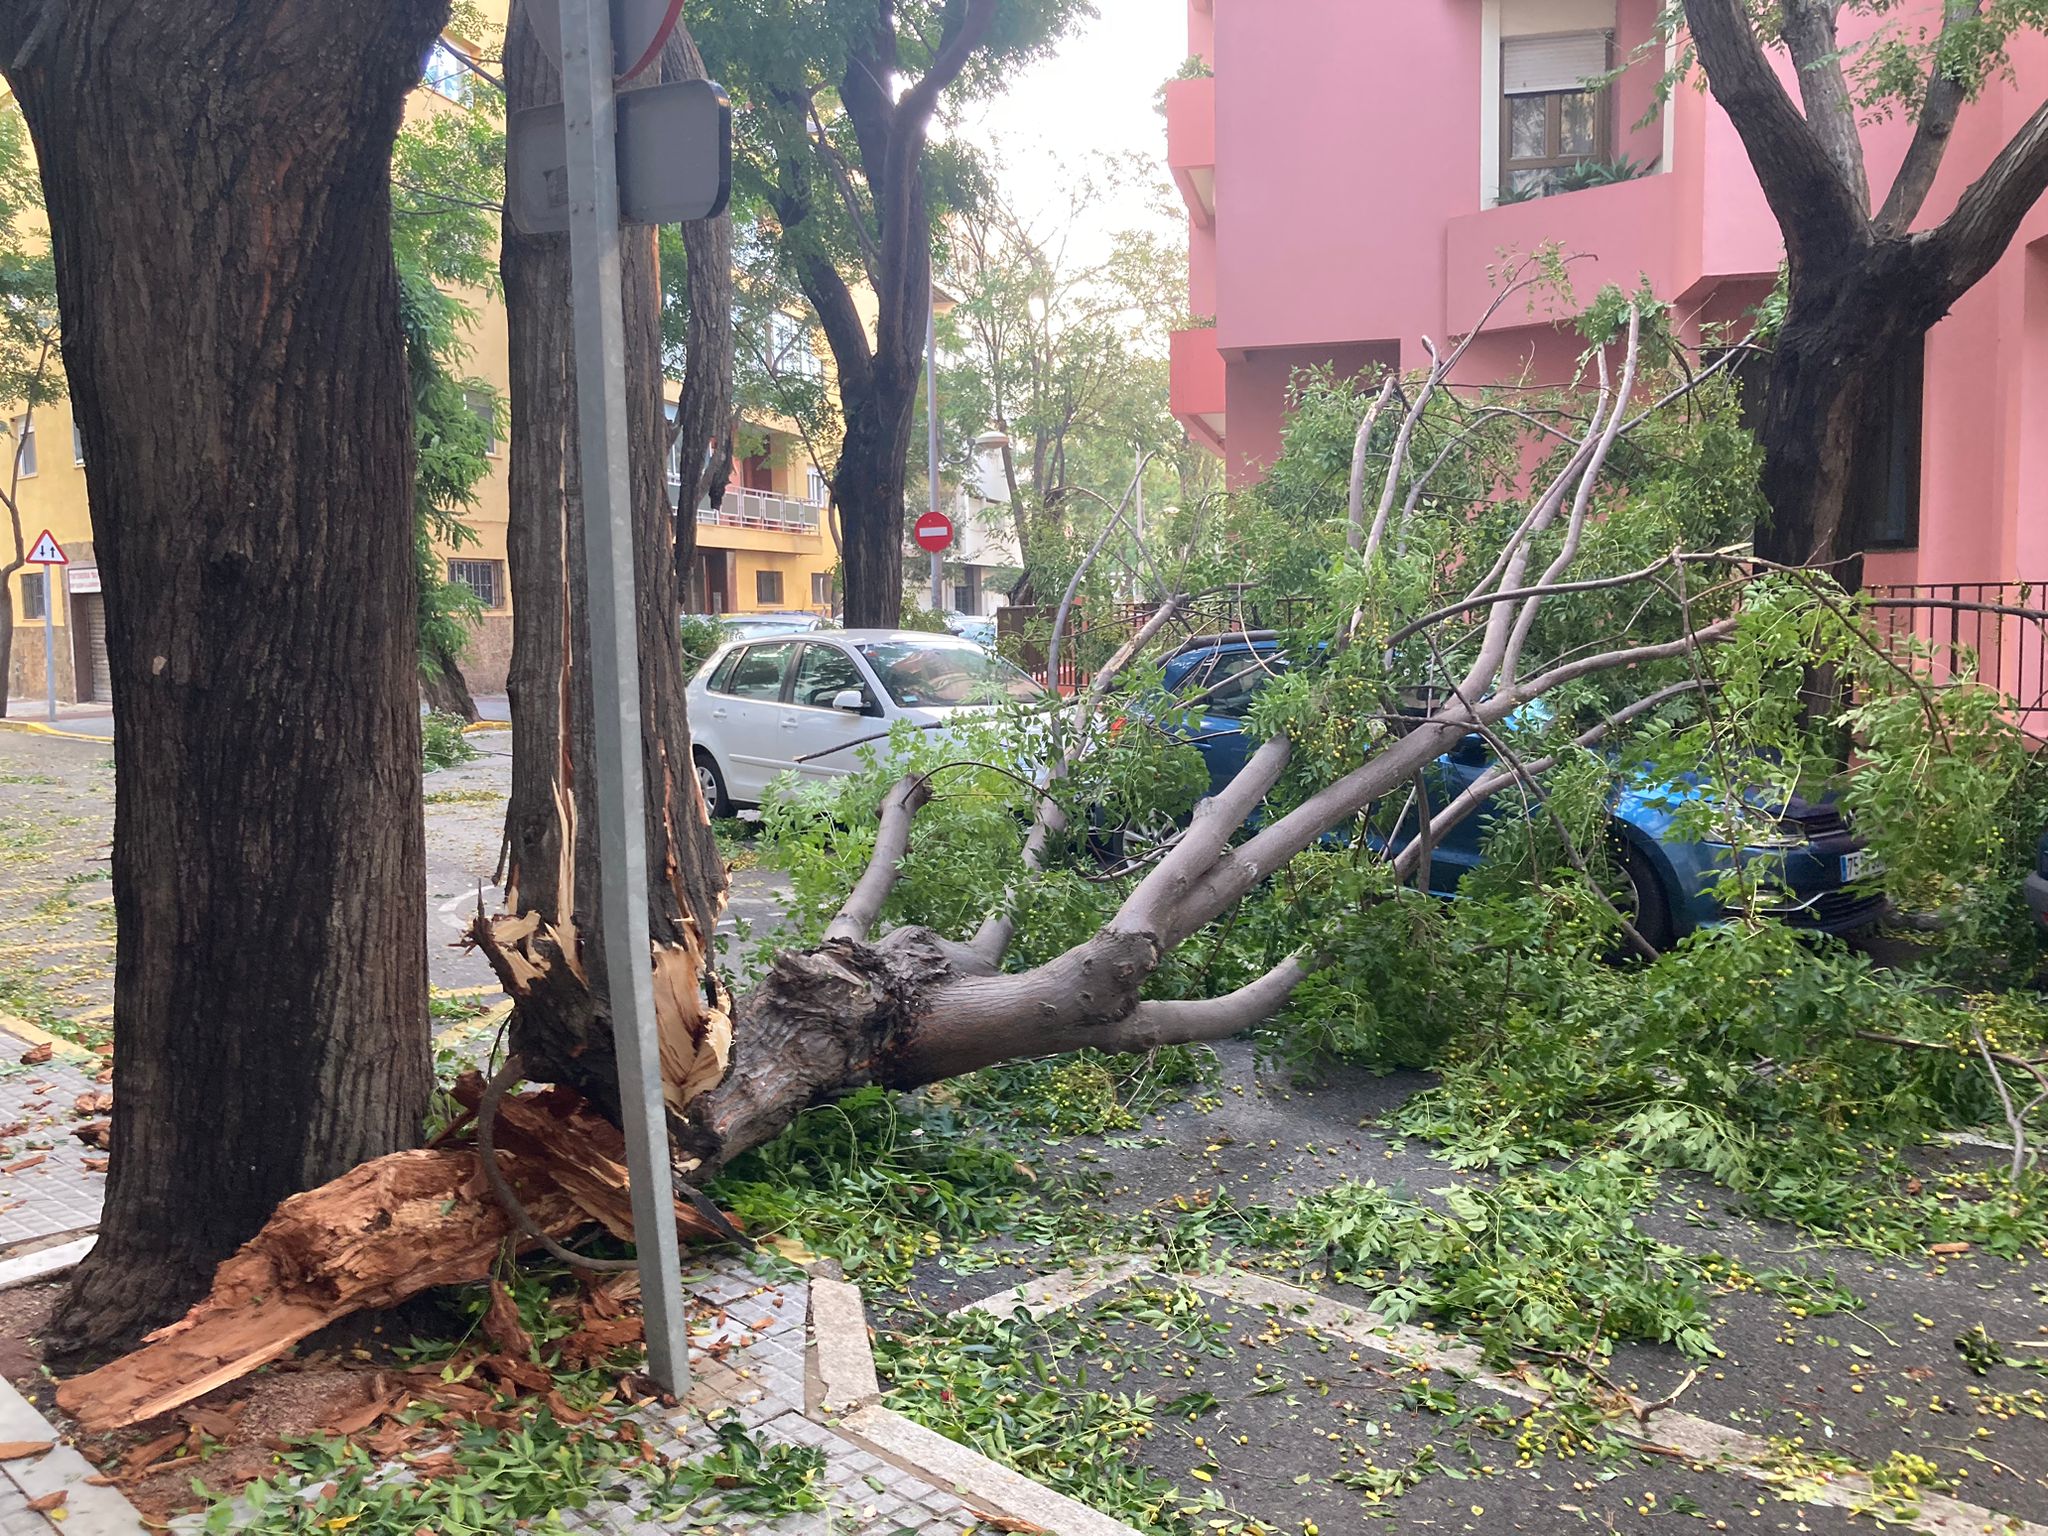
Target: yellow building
{"x": 765, "y": 547}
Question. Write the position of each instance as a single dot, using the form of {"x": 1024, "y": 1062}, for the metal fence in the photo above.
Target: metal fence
{"x": 1995, "y": 632}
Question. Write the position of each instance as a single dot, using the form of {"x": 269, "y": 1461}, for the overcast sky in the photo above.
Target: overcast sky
{"x": 1096, "y": 93}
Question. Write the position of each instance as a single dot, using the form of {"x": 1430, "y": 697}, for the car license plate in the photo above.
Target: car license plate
{"x": 1860, "y": 865}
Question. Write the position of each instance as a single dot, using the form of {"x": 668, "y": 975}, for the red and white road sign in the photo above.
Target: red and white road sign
{"x": 933, "y": 531}
{"x": 48, "y": 551}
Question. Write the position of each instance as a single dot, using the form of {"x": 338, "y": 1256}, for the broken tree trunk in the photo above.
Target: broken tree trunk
{"x": 380, "y": 1233}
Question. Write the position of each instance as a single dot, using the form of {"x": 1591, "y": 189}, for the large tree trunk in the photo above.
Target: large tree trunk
{"x": 217, "y": 183}
{"x": 1825, "y": 403}
{"x": 868, "y": 485}
{"x": 561, "y": 1023}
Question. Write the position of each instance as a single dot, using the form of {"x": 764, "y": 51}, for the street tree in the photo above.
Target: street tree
{"x": 837, "y": 102}
{"x": 217, "y": 185}
{"x": 1865, "y": 278}
{"x": 561, "y": 1022}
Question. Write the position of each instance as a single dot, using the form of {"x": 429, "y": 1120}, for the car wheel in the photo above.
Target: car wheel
{"x": 1639, "y": 896}
{"x": 1144, "y": 837}
{"x": 712, "y": 783}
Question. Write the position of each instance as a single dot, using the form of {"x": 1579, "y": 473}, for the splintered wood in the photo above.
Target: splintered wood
{"x": 377, "y": 1235}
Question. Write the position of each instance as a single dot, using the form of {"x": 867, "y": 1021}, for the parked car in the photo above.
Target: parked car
{"x": 750, "y": 626}
{"x": 1671, "y": 876}
{"x": 970, "y": 626}
{"x": 768, "y": 705}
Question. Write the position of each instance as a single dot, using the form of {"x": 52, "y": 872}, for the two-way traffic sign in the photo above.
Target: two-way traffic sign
{"x": 47, "y": 551}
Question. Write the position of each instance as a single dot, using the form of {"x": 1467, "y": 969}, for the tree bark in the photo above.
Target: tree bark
{"x": 217, "y": 183}
{"x": 445, "y": 688}
{"x": 704, "y": 408}
{"x": 6, "y": 637}
{"x": 561, "y": 1022}
{"x": 868, "y": 484}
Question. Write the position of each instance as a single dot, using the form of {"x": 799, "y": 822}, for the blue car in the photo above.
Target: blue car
{"x": 1818, "y": 860}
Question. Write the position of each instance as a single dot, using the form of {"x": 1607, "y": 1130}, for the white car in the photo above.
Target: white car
{"x": 805, "y": 704}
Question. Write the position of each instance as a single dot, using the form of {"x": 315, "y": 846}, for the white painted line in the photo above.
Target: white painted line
{"x": 44, "y": 1262}
{"x": 981, "y": 1482}
{"x": 1063, "y": 1288}
{"x": 87, "y": 1511}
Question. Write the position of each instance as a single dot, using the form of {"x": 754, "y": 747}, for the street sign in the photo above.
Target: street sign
{"x": 83, "y": 578}
{"x": 674, "y": 158}
{"x": 47, "y": 551}
{"x": 933, "y": 531}
{"x": 639, "y": 29}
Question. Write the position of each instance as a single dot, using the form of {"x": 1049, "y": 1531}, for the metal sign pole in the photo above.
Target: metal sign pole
{"x": 590, "y": 112}
{"x": 50, "y": 636}
{"x": 931, "y": 425}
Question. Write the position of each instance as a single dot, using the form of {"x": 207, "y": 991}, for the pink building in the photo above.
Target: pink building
{"x": 1352, "y": 169}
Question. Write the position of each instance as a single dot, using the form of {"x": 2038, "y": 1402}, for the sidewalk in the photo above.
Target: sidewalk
{"x": 92, "y": 721}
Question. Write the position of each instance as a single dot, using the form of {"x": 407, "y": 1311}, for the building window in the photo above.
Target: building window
{"x": 1551, "y": 117}
{"x": 821, "y": 589}
{"x": 77, "y": 444}
{"x": 815, "y": 486}
{"x": 1884, "y": 484}
{"x": 480, "y": 576}
{"x": 25, "y": 453}
{"x": 35, "y": 595}
{"x": 447, "y": 72}
{"x": 791, "y": 353}
{"x": 767, "y": 586}
{"x": 963, "y": 598}
{"x": 485, "y": 409}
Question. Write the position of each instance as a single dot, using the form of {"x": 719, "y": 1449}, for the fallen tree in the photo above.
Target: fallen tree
{"x": 910, "y": 1006}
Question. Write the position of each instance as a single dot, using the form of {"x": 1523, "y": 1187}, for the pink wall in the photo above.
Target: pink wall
{"x": 1348, "y": 224}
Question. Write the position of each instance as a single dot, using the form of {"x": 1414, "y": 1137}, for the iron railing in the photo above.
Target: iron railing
{"x": 742, "y": 507}
{"x": 1993, "y": 632}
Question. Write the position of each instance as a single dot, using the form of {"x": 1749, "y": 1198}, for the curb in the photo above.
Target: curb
{"x": 50, "y": 730}
{"x": 41, "y": 1263}
{"x": 35, "y": 1034}
{"x": 87, "y": 1509}
{"x": 843, "y": 1392}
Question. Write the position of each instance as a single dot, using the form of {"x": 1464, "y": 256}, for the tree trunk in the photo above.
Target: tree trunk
{"x": 1824, "y": 411}
{"x": 561, "y": 1024}
{"x": 257, "y": 550}
{"x": 446, "y": 689}
{"x": 704, "y": 408}
{"x": 6, "y": 637}
{"x": 868, "y": 485}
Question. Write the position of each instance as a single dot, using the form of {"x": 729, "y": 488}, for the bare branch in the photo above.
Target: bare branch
{"x": 1816, "y": 208}
{"x": 1158, "y": 1023}
{"x": 1356, "y": 537}
{"x": 1940, "y": 103}
{"x": 1809, "y": 33}
{"x": 1987, "y": 216}
{"x": 892, "y": 841}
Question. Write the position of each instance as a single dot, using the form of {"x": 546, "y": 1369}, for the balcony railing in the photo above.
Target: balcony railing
{"x": 764, "y": 510}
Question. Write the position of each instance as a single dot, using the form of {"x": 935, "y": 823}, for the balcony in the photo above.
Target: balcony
{"x": 1196, "y": 380}
{"x": 1191, "y": 144}
{"x": 763, "y": 511}
{"x": 1628, "y": 231}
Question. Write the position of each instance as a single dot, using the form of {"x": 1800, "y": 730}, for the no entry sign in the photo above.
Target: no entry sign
{"x": 934, "y": 531}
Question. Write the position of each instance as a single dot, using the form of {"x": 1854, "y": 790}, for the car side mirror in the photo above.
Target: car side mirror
{"x": 852, "y": 700}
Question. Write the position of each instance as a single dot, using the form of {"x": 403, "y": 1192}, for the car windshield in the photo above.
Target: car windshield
{"x": 941, "y": 674}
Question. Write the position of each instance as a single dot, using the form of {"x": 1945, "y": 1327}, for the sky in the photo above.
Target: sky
{"x": 1096, "y": 93}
